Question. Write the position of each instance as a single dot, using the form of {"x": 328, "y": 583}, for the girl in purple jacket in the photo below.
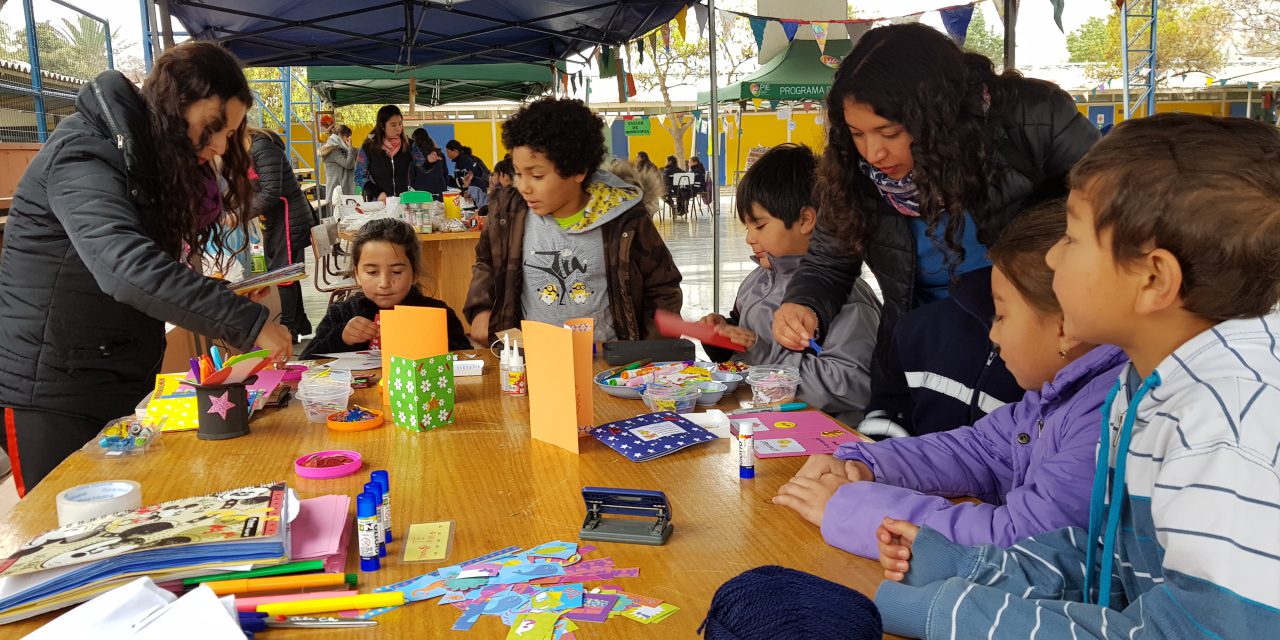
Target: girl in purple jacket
{"x": 1030, "y": 463}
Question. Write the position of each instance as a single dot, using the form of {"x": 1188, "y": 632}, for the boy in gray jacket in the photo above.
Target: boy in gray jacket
{"x": 775, "y": 202}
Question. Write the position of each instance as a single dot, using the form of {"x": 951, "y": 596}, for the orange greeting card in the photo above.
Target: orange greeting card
{"x": 553, "y": 387}
{"x": 413, "y": 333}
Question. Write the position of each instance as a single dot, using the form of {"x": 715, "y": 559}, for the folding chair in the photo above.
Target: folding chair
{"x": 682, "y": 186}
{"x": 333, "y": 265}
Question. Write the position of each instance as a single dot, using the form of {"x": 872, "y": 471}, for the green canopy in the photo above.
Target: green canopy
{"x": 436, "y": 84}
{"x": 799, "y": 73}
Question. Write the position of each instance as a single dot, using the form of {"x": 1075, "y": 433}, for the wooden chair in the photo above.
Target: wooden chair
{"x": 333, "y": 264}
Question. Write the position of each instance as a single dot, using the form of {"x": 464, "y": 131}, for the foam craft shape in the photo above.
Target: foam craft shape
{"x": 553, "y": 387}
{"x": 413, "y": 333}
{"x": 673, "y": 326}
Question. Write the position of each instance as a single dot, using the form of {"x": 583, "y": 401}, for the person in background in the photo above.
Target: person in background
{"x": 678, "y": 202}
{"x": 96, "y": 260}
{"x": 388, "y": 266}
{"x": 339, "y": 158}
{"x": 930, "y": 155}
{"x": 504, "y": 175}
{"x": 287, "y": 219}
{"x": 700, "y": 186}
{"x": 643, "y": 163}
{"x": 463, "y": 163}
{"x": 573, "y": 240}
{"x": 1029, "y": 463}
{"x": 775, "y": 204}
{"x": 433, "y": 175}
{"x": 1172, "y": 253}
{"x": 382, "y": 167}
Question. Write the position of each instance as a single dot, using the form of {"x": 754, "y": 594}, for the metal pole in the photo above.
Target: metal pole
{"x": 33, "y": 57}
{"x": 287, "y": 94}
{"x": 714, "y": 145}
{"x": 1248, "y": 105}
{"x": 1124, "y": 58}
{"x": 1151, "y": 80}
{"x": 146, "y": 35}
{"x": 111, "y": 60}
{"x": 1010, "y": 34}
{"x": 166, "y": 23}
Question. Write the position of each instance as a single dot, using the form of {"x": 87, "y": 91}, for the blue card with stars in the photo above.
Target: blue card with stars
{"x": 650, "y": 436}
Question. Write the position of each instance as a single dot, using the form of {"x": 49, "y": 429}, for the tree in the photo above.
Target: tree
{"x": 1256, "y": 25}
{"x": 687, "y": 64}
{"x": 984, "y": 39}
{"x": 1192, "y": 36}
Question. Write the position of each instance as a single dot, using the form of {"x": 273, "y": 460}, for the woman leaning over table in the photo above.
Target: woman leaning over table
{"x": 96, "y": 251}
{"x": 929, "y": 155}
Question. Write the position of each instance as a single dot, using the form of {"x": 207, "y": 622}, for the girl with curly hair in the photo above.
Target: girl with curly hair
{"x": 98, "y": 245}
{"x": 930, "y": 154}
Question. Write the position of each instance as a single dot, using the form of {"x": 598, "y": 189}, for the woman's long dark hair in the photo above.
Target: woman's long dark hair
{"x": 424, "y": 142}
{"x": 454, "y": 145}
{"x": 379, "y": 133}
{"x": 175, "y": 181}
{"x": 914, "y": 75}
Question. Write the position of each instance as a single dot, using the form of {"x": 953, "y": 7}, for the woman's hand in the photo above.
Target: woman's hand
{"x": 258, "y": 295}
{"x": 794, "y": 325}
{"x": 480, "y": 329}
{"x": 359, "y": 330}
{"x": 276, "y": 338}
{"x": 382, "y": 197}
{"x": 895, "y": 538}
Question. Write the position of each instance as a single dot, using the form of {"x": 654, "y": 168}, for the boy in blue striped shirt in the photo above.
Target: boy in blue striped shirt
{"x": 1172, "y": 253}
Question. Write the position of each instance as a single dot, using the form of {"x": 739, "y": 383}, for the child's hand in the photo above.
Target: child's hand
{"x": 817, "y": 466}
{"x": 895, "y": 538}
{"x": 809, "y": 497}
{"x": 793, "y": 326}
{"x": 359, "y": 331}
{"x": 739, "y": 336}
{"x": 714, "y": 319}
{"x": 259, "y": 294}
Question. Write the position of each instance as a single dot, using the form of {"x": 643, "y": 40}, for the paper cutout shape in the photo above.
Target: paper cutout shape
{"x": 673, "y": 326}
{"x": 595, "y": 608}
{"x": 650, "y": 436}
{"x": 797, "y": 433}
{"x": 553, "y": 386}
{"x": 422, "y": 392}
{"x": 220, "y": 404}
{"x": 413, "y": 333}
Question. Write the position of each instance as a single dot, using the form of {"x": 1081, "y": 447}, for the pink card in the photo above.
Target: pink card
{"x": 779, "y": 434}
{"x": 321, "y": 531}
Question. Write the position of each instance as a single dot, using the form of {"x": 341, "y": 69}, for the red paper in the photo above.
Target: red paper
{"x": 673, "y": 326}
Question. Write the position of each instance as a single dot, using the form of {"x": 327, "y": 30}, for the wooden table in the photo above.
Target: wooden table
{"x": 449, "y": 258}
{"x": 501, "y": 489}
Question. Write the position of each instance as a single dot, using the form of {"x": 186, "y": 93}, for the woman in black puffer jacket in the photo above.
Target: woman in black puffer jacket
{"x": 929, "y": 155}
{"x": 287, "y": 219}
{"x": 95, "y": 259}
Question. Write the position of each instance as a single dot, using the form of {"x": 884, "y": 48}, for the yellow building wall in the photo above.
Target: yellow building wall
{"x": 1202, "y": 108}
{"x": 659, "y": 144}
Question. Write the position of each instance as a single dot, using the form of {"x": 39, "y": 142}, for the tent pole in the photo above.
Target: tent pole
{"x": 714, "y": 146}
{"x": 1010, "y": 34}
{"x": 413, "y": 97}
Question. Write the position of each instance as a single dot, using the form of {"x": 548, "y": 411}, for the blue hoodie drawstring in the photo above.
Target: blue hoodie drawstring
{"x": 1103, "y": 475}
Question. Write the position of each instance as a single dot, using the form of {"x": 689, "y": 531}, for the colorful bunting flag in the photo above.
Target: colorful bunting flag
{"x": 820, "y": 34}
{"x": 1057, "y": 13}
{"x": 666, "y": 37}
{"x": 757, "y": 29}
{"x": 701, "y": 14}
{"x": 681, "y": 18}
{"x": 956, "y": 20}
{"x": 640, "y": 50}
{"x": 790, "y": 27}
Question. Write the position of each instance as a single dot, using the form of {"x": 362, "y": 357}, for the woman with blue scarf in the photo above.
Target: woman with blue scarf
{"x": 930, "y": 154}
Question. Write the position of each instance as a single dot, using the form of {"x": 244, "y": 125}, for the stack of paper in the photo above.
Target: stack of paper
{"x": 322, "y": 531}
{"x": 177, "y": 539}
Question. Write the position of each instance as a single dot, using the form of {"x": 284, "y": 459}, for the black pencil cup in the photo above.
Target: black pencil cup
{"x": 222, "y": 411}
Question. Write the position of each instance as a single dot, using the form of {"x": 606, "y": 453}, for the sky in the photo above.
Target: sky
{"x": 1040, "y": 42}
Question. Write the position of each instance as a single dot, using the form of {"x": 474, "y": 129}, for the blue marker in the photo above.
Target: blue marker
{"x": 383, "y": 479}
{"x": 746, "y": 450}
{"x": 367, "y": 531}
{"x": 817, "y": 348}
{"x": 375, "y": 489}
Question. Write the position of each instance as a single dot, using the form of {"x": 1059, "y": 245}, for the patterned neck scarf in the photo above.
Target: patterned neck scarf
{"x": 391, "y": 146}
{"x": 902, "y": 194}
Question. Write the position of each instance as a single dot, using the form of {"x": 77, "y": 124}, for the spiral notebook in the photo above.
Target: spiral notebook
{"x": 650, "y": 436}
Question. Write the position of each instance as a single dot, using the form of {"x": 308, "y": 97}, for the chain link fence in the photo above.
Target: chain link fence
{"x": 72, "y": 45}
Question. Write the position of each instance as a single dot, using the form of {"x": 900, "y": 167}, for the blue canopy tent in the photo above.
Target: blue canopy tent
{"x": 411, "y": 34}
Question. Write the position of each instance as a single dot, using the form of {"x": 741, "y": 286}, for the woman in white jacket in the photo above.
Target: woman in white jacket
{"x": 339, "y": 159}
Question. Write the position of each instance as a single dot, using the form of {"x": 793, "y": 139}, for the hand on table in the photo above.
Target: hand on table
{"x": 382, "y": 197}
{"x": 817, "y": 466}
{"x": 895, "y": 538}
{"x": 359, "y": 330}
{"x": 809, "y": 497}
{"x": 794, "y": 325}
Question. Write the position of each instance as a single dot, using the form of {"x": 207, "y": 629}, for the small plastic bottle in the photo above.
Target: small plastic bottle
{"x": 504, "y": 365}
{"x": 516, "y": 375}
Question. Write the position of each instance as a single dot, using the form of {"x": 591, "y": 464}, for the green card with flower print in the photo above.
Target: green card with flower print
{"x": 421, "y": 392}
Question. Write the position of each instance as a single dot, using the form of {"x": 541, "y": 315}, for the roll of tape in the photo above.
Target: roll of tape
{"x": 89, "y": 501}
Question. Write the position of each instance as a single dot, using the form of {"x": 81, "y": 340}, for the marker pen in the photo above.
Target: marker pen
{"x": 367, "y": 531}
{"x": 375, "y": 489}
{"x": 384, "y": 481}
{"x": 746, "y": 450}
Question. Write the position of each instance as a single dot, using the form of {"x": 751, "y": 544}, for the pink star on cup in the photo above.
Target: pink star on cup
{"x": 220, "y": 404}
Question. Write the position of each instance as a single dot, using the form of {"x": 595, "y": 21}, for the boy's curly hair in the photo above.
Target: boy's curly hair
{"x": 564, "y": 130}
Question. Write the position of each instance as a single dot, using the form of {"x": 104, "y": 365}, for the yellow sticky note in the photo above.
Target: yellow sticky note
{"x": 428, "y": 541}
{"x": 552, "y": 385}
{"x": 413, "y": 333}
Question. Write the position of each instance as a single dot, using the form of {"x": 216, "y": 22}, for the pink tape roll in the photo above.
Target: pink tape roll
{"x": 326, "y": 472}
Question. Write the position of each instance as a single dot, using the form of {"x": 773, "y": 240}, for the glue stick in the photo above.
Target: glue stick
{"x": 746, "y": 450}
{"x": 367, "y": 531}
{"x": 383, "y": 480}
{"x": 515, "y": 376}
{"x": 376, "y": 489}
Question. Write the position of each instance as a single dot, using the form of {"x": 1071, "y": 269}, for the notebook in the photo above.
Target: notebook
{"x": 175, "y": 539}
{"x": 650, "y": 436}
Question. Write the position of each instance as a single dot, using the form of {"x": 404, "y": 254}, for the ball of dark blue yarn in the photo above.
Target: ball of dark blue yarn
{"x": 768, "y": 603}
